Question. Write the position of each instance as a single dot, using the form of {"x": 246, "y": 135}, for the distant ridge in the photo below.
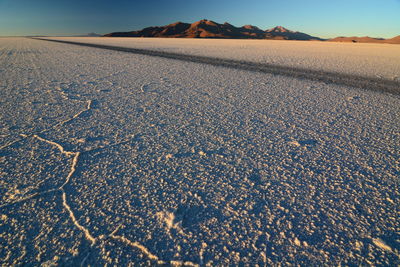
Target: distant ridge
{"x": 366, "y": 39}
{"x": 91, "y": 34}
{"x": 210, "y": 29}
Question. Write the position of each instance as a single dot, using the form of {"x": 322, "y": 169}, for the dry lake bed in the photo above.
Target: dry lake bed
{"x": 131, "y": 158}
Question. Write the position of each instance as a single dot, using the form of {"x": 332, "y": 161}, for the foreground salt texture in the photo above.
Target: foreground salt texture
{"x": 110, "y": 157}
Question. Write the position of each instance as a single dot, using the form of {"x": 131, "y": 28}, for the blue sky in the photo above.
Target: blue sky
{"x": 376, "y": 18}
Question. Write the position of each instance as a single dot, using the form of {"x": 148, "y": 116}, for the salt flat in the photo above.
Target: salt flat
{"x": 374, "y": 60}
{"x": 118, "y": 158}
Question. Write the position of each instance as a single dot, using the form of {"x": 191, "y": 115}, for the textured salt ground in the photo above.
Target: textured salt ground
{"x": 372, "y": 60}
{"x": 110, "y": 157}
{"x": 343, "y": 79}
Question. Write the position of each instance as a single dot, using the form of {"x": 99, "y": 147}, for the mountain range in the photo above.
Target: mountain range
{"x": 210, "y": 29}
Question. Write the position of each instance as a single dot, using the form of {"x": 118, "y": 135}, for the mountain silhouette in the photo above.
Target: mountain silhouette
{"x": 210, "y": 29}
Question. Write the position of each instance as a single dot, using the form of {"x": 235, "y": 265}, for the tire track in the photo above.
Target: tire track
{"x": 355, "y": 81}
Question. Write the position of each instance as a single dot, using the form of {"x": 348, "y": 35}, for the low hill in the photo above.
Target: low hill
{"x": 366, "y": 39}
{"x": 394, "y": 40}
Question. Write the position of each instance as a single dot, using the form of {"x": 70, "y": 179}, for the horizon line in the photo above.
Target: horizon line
{"x": 83, "y": 34}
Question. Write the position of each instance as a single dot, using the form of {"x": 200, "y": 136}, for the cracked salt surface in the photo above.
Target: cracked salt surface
{"x": 117, "y": 158}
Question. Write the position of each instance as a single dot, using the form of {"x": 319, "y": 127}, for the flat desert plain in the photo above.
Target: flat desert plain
{"x": 122, "y": 158}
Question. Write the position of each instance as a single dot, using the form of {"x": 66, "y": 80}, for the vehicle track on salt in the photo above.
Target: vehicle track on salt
{"x": 356, "y": 81}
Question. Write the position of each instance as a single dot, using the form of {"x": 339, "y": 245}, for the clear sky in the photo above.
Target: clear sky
{"x": 323, "y": 18}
